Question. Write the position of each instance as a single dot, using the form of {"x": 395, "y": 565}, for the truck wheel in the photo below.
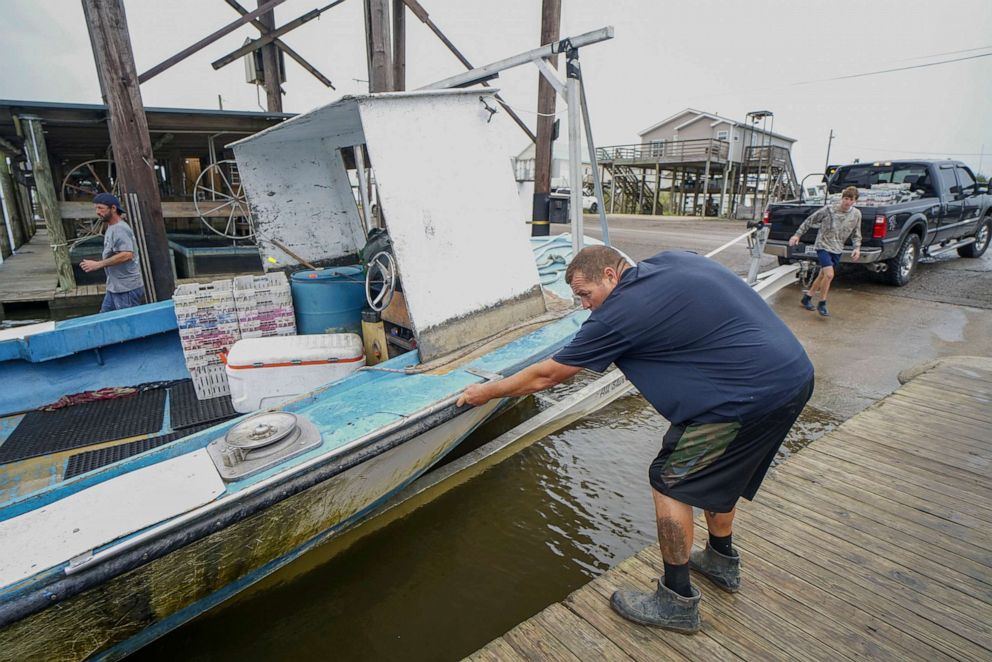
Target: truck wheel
{"x": 902, "y": 267}
{"x": 981, "y": 240}
{"x": 594, "y": 207}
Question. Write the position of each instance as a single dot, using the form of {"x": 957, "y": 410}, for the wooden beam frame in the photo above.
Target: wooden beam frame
{"x": 284, "y": 47}
{"x": 206, "y": 41}
{"x": 270, "y": 36}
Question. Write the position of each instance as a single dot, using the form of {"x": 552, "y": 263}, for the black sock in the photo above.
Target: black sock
{"x": 722, "y": 544}
{"x": 677, "y": 579}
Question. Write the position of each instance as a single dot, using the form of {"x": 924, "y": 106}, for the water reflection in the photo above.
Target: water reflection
{"x": 444, "y": 580}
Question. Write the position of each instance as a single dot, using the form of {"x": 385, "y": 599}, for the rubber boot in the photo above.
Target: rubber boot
{"x": 662, "y": 608}
{"x": 722, "y": 570}
{"x": 807, "y": 302}
{"x": 822, "y": 309}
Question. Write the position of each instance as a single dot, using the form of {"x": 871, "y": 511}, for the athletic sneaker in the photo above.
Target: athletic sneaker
{"x": 822, "y": 309}
{"x": 807, "y": 302}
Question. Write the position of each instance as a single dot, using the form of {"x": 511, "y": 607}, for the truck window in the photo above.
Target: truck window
{"x": 865, "y": 175}
{"x": 967, "y": 181}
{"x": 947, "y": 178}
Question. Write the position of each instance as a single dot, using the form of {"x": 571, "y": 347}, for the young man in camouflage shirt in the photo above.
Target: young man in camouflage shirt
{"x": 836, "y": 224}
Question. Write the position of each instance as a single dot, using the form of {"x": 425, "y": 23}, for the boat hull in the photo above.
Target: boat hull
{"x": 119, "y": 616}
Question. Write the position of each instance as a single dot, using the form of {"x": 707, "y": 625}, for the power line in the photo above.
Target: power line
{"x": 888, "y": 71}
{"x": 906, "y": 151}
{"x": 844, "y": 77}
{"x": 925, "y": 57}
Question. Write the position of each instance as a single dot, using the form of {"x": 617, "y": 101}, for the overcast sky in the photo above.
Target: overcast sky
{"x": 726, "y": 56}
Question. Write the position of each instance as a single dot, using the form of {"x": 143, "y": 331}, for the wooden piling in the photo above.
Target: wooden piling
{"x": 546, "y": 100}
{"x": 657, "y": 189}
{"x": 706, "y": 176}
{"x": 12, "y": 213}
{"x": 49, "y": 201}
{"x": 399, "y": 45}
{"x": 379, "y": 45}
{"x": 114, "y": 58}
{"x": 270, "y": 64}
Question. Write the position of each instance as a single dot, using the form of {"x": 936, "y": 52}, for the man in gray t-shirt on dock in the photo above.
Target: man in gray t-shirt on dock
{"x": 120, "y": 257}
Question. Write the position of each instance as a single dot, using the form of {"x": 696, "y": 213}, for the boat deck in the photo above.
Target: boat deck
{"x": 41, "y": 448}
{"x": 874, "y": 542}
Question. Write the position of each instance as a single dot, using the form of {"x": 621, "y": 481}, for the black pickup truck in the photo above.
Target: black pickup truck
{"x": 908, "y": 209}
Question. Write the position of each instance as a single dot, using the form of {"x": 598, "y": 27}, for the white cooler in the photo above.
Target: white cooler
{"x": 265, "y": 372}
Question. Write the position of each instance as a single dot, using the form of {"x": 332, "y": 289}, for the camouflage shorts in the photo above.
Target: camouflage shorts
{"x": 711, "y": 465}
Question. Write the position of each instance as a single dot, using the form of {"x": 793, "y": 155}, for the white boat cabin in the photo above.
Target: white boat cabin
{"x": 441, "y": 187}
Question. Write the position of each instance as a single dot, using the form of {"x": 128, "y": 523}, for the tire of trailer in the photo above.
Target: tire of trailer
{"x": 981, "y": 243}
{"x": 902, "y": 267}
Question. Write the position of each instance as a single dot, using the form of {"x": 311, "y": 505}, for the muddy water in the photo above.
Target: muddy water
{"x": 442, "y": 581}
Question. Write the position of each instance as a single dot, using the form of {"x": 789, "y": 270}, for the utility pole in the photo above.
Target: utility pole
{"x": 830, "y": 141}
{"x": 378, "y": 45}
{"x": 132, "y": 147}
{"x": 270, "y": 64}
{"x": 399, "y": 45}
{"x": 550, "y": 33}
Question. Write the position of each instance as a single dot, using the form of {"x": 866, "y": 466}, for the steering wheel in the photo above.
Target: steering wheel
{"x": 380, "y": 280}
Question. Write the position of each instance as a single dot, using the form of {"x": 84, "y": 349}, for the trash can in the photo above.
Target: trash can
{"x": 558, "y": 204}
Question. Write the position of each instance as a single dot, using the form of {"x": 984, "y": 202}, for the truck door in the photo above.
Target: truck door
{"x": 971, "y": 200}
{"x": 952, "y": 204}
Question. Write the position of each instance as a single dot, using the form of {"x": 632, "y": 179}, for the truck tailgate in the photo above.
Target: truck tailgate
{"x": 786, "y": 219}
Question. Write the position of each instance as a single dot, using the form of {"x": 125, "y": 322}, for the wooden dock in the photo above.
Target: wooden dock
{"x": 29, "y": 285}
{"x": 875, "y": 541}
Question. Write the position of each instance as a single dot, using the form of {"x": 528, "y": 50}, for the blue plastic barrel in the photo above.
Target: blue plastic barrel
{"x": 329, "y": 300}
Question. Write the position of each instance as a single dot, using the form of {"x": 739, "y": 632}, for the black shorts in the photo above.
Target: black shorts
{"x": 711, "y": 465}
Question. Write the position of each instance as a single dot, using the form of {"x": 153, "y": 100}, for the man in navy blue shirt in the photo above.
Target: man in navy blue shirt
{"x": 710, "y": 355}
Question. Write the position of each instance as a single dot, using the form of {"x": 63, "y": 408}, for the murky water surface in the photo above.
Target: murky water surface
{"x": 442, "y": 581}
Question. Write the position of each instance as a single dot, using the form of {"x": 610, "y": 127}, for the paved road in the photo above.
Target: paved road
{"x": 874, "y": 330}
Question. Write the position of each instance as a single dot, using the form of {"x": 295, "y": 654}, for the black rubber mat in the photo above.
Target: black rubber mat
{"x": 90, "y": 460}
{"x": 186, "y": 411}
{"x": 44, "y": 432}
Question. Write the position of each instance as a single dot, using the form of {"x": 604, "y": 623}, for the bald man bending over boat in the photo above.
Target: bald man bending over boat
{"x": 710, "y": 355}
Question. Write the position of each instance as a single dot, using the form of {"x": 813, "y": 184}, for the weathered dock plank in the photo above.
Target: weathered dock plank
{"x": 872, "y": 542}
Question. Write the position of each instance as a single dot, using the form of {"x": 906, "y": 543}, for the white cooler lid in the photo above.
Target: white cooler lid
{"x": 294, "y": 350}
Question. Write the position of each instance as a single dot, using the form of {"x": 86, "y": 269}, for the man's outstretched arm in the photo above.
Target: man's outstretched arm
{"x": 532, "y": 379}
{"x": 116, "y": 258}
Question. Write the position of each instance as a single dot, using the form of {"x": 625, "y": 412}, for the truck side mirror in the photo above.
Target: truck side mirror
{"x": 955, "y": 190}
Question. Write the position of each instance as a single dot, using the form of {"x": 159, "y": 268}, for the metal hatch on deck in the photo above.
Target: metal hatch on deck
{"x": 447, "y": 192}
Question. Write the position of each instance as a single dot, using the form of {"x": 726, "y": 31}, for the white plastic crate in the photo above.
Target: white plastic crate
{"x": 264, "y": 305}
{"x": 210, "y": 381}
{"x": 212, "y": 317}
{"x": 208, "y": 325}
